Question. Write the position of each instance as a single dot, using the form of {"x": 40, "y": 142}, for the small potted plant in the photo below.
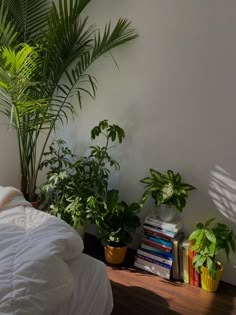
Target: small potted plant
{"x": 207, "y": 241}
{"x": 116, "y": 221}
{"x": 166, "y": 189}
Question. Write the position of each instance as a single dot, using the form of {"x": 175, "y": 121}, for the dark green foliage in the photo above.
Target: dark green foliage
{"x": 71, "y": 181}
{"x": 207, "y": 241}
{"x": 115, "y": 219}
{"x": 166, "y": 188}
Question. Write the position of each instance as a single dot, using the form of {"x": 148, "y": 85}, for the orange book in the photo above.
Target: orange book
{"x": 190, "y": 265}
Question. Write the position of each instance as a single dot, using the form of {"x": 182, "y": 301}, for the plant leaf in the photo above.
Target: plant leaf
{"x": 210, "y": 236}
{"x": 208, "y": 222}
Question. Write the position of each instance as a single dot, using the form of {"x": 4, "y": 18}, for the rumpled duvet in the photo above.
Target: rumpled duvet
{"x": 35, "y": 249}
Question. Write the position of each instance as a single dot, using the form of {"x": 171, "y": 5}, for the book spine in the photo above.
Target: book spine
{"x": 159, "y": 241}
{"x": 185, "y": 265}
{"x": 155, "y": 257}
{"x": 156, "y": 245}
{"x": 196, "y": 276}
{"x": 155, "y": 269}
{"x": 157, "y": 234}
{"x": 175, "y": 269}
{"x": 155, "y": 262}
{"x": 159, "y": 230}
{"x": 181, "y": 276}
{"x": 190, "y": 264}
{"x": 156, "y": 251}
{"x": 164, "y": 225}
{"x": 196, "y": 281}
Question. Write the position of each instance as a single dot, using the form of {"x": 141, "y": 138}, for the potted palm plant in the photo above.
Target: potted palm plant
{"x": 116, "y": 221}
{"x": 207, "y": 240}
{"x": 45, "y": 60}
{"x": 168, "y": 190}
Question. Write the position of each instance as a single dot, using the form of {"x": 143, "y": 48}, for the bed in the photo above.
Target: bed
{"x": 43, "y": 270}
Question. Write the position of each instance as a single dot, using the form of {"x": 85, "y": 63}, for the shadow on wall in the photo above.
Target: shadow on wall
{"x": 223, "y": 193}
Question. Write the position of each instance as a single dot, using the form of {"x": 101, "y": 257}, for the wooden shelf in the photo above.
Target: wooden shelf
{"x": 139, "y": 292}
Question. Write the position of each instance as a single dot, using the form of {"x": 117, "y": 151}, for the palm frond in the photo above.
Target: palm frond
{"x": 81, "y": 5}
{"x": 67, "y": 37}
{"x": 102, "y": 44}
{"x": 121, "y": 34}
{"x": 7, "y": 27}
{"x": 30, "y": 17}
{"x": 18, "y": 68}
{"x": 16, "y": 73}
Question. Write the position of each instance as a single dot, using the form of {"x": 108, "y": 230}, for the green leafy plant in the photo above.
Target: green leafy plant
{"x": 207, "y": 241}
{"x": 45, "y": 55}
{"x": 115, "y": 219}
{"x": 72, "y": 181}
{"x": 166, "y": 188}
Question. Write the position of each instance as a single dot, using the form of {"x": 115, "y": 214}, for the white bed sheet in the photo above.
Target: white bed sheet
{"x": 42, "y": 268}
{"x": 92, "y": 293}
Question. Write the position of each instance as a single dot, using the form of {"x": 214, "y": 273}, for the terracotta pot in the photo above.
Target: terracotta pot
{"x": 115, "y": 255}
{"x": 36, "y": 204}
{"x": 209, "y": 284}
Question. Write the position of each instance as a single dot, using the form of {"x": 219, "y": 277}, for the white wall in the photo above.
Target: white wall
{"x": 175, "y": 97}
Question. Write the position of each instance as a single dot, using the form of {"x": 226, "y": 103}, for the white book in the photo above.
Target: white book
{"x": 170, "y": 226}
{"x": 153, "y": 268}
{"x": 155, "y": 257}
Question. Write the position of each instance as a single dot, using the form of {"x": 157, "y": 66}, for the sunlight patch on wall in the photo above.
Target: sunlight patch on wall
{"x": 223, "y": 193}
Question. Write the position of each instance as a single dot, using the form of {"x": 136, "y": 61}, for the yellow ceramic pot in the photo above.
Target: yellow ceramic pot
{"x": 209, "y": 284}
{"x": 115, "y": 255}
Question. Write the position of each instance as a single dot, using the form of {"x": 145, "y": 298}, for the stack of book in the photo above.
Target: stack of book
{"x": 159, "y": 250}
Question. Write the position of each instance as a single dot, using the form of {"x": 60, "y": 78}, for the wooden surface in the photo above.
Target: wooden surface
{"x": 136, "y": 292}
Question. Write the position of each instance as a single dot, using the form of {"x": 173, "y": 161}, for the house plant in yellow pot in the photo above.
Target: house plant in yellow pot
{"x": 116, "y": 221}
{"x": 168, "y": 192}
{"x": 207, "y": 241}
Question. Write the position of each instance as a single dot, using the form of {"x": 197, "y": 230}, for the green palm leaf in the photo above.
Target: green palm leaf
{"x": 16, "y": 72}
{"x": 30, "y": 17}
{"x": 101, "y": 45}
{"x": 66, "y": 39}
{"x": 7, "y": 27}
